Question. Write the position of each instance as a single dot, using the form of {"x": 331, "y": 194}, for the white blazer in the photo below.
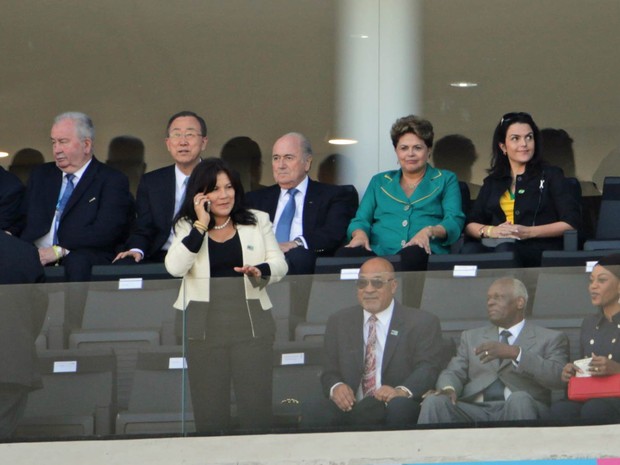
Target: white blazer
{"x": 258, "y": 244}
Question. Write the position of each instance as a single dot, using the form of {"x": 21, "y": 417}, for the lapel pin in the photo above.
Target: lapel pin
{"x": 92, "y": 199}
{"x": 394, "y": 332}
{"x": 521, "y": 191}
{"x": 250, "y": 247}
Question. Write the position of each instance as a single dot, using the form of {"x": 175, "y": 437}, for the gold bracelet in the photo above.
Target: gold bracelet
{"x": 489, "y": 229}
{"x": 200, "y": 226}
{"x": 430, "y": 229}
{"x": 481, "y": 232}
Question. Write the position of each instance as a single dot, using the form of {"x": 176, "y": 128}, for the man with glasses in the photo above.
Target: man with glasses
{"x": 503, "y": 371}
{"x": 380, "y": 357}
{"x": 161, "y": 192}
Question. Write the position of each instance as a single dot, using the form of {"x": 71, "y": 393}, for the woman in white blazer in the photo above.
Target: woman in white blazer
{"x": 226, "y": 255}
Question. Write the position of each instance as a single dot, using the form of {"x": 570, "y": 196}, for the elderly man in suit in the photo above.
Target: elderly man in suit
{"x": 380, "y": 357}
{"x": 77, "y": 208}
{"x": 310, "y": 218}
{"x": 161, "y": 192}
{"x": 11, "y": 196}
{"x": 504, "y": 371}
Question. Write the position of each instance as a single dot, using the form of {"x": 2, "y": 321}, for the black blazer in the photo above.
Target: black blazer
{"x": 327, "y": 212}
{"x": 411, "y": 356}
{"x": 534, "y": 204}
{"x": 11, "y": 196}
{"x": 154, "y": 209}
{"x": 96, "y": 215}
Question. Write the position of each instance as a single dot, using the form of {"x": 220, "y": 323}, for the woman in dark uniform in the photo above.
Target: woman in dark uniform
{"x": 599, "y": 339}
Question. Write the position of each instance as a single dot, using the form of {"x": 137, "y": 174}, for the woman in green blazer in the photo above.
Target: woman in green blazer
{"x": 413, "y": 211}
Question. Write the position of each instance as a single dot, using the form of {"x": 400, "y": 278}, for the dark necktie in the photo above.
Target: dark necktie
{"x": 62, "y": 203}
{"x": 495, "y": 391}
{"x": 283, "y": 230}
{"x": 369, "y": 378}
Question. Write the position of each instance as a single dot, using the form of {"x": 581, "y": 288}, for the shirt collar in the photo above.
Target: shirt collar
{"x": 302, "y": 187}
{"x": 514, "y": 330}
{"x": 384, "y": 316}
{"x": 179, "y": 177}
{"x": 79, "y": 173}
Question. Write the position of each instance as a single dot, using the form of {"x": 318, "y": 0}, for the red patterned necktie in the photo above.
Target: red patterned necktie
{"x": 369, "y": 379}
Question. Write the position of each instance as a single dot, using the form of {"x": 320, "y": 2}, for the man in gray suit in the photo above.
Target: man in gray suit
{"x": 504, "y": 371}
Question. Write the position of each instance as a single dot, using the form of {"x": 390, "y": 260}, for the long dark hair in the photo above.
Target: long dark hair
{"x": 500, "y": 165}
{"x": 204, "y": 179}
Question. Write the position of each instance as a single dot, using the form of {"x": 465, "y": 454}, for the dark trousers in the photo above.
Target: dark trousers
{"x": 399, "y": 412}
{"x": 592, "y": 411}
{"x": 413, "y": 258}
{"x": 212, "y": 367}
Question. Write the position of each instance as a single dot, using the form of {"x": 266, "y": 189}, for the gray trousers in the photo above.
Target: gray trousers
{"x": 519, "y": 406}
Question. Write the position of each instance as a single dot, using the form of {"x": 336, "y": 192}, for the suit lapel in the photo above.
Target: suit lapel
{"x": 356, "y": 336}
{"x": 271, "y": 201}
{"x": 168, "y": 193}
{"x": 311, "y": 206}
{"x": 393, "y": 337}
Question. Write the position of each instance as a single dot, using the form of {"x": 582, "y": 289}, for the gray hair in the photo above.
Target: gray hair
{"x": 83, "y": 124}
{"x": 306, "y": 148}
{"x": 518, "y": 288}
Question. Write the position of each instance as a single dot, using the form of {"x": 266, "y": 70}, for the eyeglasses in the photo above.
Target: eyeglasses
{"x": 362, "y": 283}
{"x": 188, "y": 136}
{"x": 512, "y": 116}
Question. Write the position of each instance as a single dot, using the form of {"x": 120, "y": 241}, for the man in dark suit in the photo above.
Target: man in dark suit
{"x": 380, "y": 357}
{"x": 11, "y": 196}
{"x": 21, "y": 316}
{"x": 161, "y": 192}
{"x": 77, "y": 208}
{"x": 321, "y": 212}
{"x": 504, "y": 371}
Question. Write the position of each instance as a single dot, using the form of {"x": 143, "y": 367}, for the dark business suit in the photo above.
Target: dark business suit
{"x": 544, "y": 353}
{"x": 154, "y": 209}
{"x": 327, "y": 212}
{"x": 410, "y": 359}
{"x": 11, "y": 196}
{"x": 22, "y": 312}
{"x": 93, "y": 221}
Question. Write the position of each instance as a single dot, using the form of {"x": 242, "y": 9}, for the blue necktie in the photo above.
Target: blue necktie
{"x": 283, "y": 230}
{"x": 62, "y": 203}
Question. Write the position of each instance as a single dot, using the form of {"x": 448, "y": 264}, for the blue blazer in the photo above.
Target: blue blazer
{"x": 327, "y": 212}
{"x": 96, "y": 216}
{"x": 154, "y": 210}
{"x": 11, "y": 197}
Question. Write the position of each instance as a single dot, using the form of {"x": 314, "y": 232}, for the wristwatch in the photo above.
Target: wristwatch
{"x": 299, "y": 242}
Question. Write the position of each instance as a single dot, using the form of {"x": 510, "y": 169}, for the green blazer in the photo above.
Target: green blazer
{"x": 391, "y": 219}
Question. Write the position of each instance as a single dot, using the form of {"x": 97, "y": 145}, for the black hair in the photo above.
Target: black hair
{"x": 204, "y": 179}
{"x": 500, "y": 165}
{"x": 203, "y": 125}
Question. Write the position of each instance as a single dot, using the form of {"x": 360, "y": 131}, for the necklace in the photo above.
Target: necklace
{"x": 223, "y": 225}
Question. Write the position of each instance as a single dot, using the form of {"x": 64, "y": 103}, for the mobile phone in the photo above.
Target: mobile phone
{"x": 208, "y": 207}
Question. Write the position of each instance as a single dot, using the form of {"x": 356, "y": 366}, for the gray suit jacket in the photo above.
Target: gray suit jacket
{"x": 544, "y": 353}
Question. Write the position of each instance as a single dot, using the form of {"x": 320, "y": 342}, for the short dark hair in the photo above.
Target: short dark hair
{"x": 203, "y": 125}
{"x": 204, "y": 179}
{"x": 500, "y": 165}
{"x": 412, "y": 124}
